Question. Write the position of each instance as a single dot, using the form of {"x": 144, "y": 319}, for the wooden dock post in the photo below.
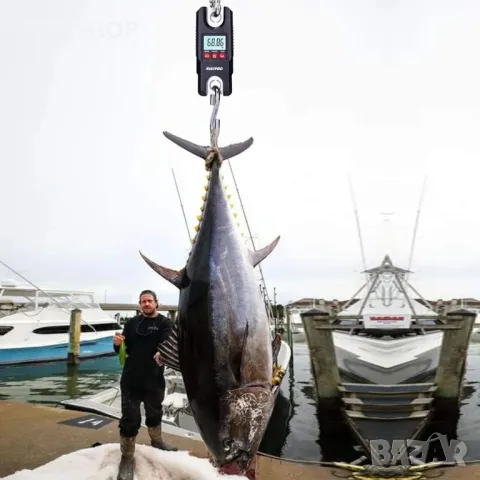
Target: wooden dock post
{"x": 288, "y": 319}
{"x": 453, "y": 354}
{"x": 322, "y": 353}
{"x": 173, "y": 315}
{"x": 74, "y": 334}
{"x": 289, "y": 328}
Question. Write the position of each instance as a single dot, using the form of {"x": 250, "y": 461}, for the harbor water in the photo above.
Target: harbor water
{"x": 296, "y": 430}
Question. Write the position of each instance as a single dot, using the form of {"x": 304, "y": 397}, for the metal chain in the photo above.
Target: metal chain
{"x": 216, "y": 6}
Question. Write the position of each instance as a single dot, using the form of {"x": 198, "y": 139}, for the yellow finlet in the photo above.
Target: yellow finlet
{"x": 204, "y": 198}
{"x": 206, "y": 188}
{"x": 202, "y": 208}
{"x": 196, "y": 228}
{"x": 199, "y": 218}
{"x": 228, "y": 196}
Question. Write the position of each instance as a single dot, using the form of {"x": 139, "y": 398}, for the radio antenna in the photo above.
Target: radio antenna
{"x": 359, "y": 232}
{"x": 417, "y": 219}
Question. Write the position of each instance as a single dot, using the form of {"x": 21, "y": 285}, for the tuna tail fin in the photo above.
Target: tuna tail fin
{"x": 258, "y": 256}
{"x": 175, "y": 277}
{"x": 203, "y": 152}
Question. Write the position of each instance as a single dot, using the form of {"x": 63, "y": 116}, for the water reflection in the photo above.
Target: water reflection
{"x": 50, "y": 383}
{"x": 336, "y": 440}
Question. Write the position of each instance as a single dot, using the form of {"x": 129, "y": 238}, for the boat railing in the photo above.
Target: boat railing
{"x": 268, "y": 307}
{"x": 32, "y": 301}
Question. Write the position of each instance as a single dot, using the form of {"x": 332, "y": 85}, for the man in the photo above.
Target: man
{"x": 142, "y": 377}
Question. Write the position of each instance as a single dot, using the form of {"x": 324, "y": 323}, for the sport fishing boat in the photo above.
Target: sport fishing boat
{"x": 296, "y": 323}
{"x": 392, "y": 347}
{"x": 177, "y": 413}
{"x": 34, "y": 324}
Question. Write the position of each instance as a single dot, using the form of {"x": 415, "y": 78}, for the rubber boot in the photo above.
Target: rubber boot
{"x": 127, "y": 462}
{"x": 157, "y": 440}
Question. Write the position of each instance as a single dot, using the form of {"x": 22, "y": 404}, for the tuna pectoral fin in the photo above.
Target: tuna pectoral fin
{"x": 175, "y": 277}
{"x": 169, "y": 350}
{"x": 202, "y": 152}
{"x": 258, "y": 256}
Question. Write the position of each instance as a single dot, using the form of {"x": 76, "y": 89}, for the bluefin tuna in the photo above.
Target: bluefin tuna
{"x": 222, "y": 343}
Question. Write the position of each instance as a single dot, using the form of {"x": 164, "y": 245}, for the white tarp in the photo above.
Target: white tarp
{"x": 101, "y": 463}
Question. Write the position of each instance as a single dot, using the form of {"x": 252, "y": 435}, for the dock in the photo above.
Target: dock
{"x": 47, "y": 433}
{"x": 126, "y": 307}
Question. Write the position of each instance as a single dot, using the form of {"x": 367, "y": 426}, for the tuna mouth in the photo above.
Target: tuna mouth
{"x": 237, "y": 459}
{"x": 237, "y": 462}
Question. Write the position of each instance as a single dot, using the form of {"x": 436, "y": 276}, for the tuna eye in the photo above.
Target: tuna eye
{"x": 227, "y": 445}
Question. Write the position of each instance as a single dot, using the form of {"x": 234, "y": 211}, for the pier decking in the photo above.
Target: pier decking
{"x": 33, "y": 435}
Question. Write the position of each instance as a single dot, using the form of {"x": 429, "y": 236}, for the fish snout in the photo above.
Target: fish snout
{"x": 237, "y": 455}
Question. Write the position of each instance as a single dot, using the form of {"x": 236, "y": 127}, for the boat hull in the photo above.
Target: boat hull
{"x": 387, "y": 362}
{"x": 91, "y": 348}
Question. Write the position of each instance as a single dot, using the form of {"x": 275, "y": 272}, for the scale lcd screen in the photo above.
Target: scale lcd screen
{"x": 214, "y": 42}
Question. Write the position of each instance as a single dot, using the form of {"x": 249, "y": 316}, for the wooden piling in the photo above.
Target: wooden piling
{"x": 74, "y": 337}
{"x": 322, "y": 353}
{"x": 289, "y": 328}
{"x": 173, "y": 315}
{"x": 453, "y": 354}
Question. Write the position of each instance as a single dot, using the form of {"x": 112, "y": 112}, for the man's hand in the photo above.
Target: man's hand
{"x": 156, "y": 357}
{"x": 118, "y": 339}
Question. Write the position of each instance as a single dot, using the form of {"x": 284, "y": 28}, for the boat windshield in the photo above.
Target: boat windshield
{"x": 13, "y": 298}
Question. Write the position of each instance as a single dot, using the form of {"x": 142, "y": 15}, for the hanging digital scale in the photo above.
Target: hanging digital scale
{"x": 214, "y": 45}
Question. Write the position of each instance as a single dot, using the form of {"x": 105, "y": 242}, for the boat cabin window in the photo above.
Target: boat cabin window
{"x": 4, "y": 329}
{"x": 56, "y": 329}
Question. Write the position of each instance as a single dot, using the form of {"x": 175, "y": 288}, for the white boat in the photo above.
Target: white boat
{"x": 34, "y": 324}
{"x": 465, "y": 303}
{"x": 296, "y": 323}
{"x": 177, "y": 418}
{"x": 391, "y": 347}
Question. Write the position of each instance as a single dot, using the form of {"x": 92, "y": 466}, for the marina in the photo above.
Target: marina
{"x": 383, "y": 382}
{"x": 294, "y": 438}
{"x": 379, "y": 354}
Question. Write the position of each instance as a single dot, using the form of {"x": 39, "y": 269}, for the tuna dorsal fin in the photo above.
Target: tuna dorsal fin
{"x": 202, "y": 151}
{"x": 175, "y": 277}
{"x": 169, "y": 350}
{"x": 258, "y": 256}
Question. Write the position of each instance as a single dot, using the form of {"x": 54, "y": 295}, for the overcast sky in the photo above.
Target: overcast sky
{"x": 384, "y": 91}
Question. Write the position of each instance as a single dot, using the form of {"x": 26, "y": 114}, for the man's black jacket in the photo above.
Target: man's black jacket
{"x": 142, "y": 337}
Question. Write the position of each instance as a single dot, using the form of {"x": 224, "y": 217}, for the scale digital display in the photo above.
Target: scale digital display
{"x": 215, "y": 42}
{"x": 214, "y": 51}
